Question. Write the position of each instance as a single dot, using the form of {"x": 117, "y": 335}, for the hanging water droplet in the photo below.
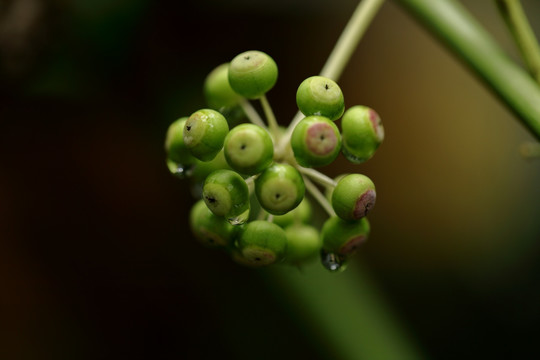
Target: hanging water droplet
{"x": 354, "y": 158}
{"x": 332, "y": 262}
{"x": 239, "y": 219}
{"x": 179, "y": 170}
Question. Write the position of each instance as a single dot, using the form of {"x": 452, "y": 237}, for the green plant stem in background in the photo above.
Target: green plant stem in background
{"x": 342, "y": 52}
{"x": 513, "y": 14}
{"x": 342, "y": 312}
{"x": 452, "y": 23}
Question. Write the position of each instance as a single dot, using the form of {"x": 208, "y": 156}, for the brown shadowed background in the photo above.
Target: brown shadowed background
{"x": 96, "y": 258}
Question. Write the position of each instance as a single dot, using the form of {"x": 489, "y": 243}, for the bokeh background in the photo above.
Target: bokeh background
{"x": 96, "y": 260}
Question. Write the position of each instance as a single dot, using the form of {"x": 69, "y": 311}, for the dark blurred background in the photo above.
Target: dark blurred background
{"x": 96, "y": 261}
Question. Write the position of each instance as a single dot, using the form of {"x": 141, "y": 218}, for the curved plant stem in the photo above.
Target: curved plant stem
{"x": 270, "y": 117}
{"x": 252, "y": 114}
{"x": 342, "y": 51}
{"x": 513, "y": 14}
{"x": 321, "y": 199}
{"x": 318, "y": 177}
{"x": 452, "y": 23}
{"x": 350, "y": 37}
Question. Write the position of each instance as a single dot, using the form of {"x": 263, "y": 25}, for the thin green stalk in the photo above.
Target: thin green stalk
{"x": 318, "y": 177}
{"x": 270, "y": 117}
{"x": 342, "y": 51}
{"x": 321, "y": 199}
{"x": 516, "y": 20}
{"x": 453, "y": 24}
{"x": 252, "y": 114}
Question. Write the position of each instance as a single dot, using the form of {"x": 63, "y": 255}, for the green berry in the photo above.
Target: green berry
{"x": 301, "y": 214}
{"x": 204, "y": 133}
{"x": 252, "y": 74}
{"x": 248, "y": 149}
{"x": 362, "y": 132}
{"x": 217, "y": 91}
{"x": 179, "y": 158}
{"x": 353, "y": 197}
{"x": 279, "y": 188}
{"x": 303, "y": 243}
{"x": 262, "y": 243}
{"x": 318, "y": 95}
{"x": 315, "y": 141}
{"x": 342, "y": 237}
{"x": 202, "y": 169}
{"x": 210, "y": 230}
{"x": 174, "y": 143}
{"x": 226, "y": 194}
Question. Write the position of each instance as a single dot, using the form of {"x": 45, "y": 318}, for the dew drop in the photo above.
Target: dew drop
{"x": 179, "y": 170}
{"x": 332, "y": 262}
{"x": 239, "y": 219}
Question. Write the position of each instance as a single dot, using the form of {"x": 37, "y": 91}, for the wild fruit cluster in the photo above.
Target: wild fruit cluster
{"x": 254, "y": 175}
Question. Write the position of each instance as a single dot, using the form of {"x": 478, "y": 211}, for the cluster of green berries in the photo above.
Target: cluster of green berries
{"x": 253, "y": 177}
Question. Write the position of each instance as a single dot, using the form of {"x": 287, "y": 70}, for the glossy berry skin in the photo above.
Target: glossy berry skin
{"x": 353, "y": 197}
{"x": 174, "y": 143}
{"x": 279, "y": 189}
{"x": 342, "y": 237}
{"x": 226, "y": 194}
{"x": 299, "y": 215}
{"x": 262, "y": 243}
{"x": 252, "y": 74}
{"x": 217, "y": 90}
{"x": 318, "y": 95}
{"x": 362, "y": 133}
{"x": 210, "y": 230}
{"x": 204, "y": 133}
{"x": 248, "y": 149}
{"x": 303, "y": 243}
{"x": 315, "y": 141}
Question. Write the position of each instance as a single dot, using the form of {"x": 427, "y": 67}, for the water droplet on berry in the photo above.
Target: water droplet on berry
{"x": 179, "y": 170}
{"x": 332, "y": 262}
{"x": 239, "y": 219}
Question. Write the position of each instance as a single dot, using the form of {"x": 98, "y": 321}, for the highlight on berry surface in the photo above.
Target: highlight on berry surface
{"x": 248, "y": 149}
{"x": 318, "y": 95}
{"x": 257, "y": 183}
{"x": 279, "y": 189}
{"x": 341, "y": 239}
{"x": 226, "y": 194}
{"x": 252, "y": 74}
{"x": 179, "y": 158}
{"x": 262, "y": 243}
{"x": 209, "y": 229}
{"x": 204, "y": 133}
{"x": 353, "y": 197}
{"x": 316, "y": 141}
{"x": 362, "y": 132}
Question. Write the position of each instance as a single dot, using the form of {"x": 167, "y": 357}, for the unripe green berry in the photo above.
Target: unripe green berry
{"x": 262, "y": 243}
{"x": 174, "y": 143}
{"x": 248, "y": 149}
{"x": 303, "y": 243}
{"x": 252, "y": 74}
{"x": 204, "y": 133}
{"x": 315, "y": 141}
{"x": 318, "y": 95}
{"x": 342, "y": 237}
{"x": 226, "y": 194}
{"x": 279, "y": 188}
{"x": 179, "y": 158}
{"x": 202, "y": 169}
{"x": 362, "y": 133}
{"x": 218, "y": 91}
{"x": 353, "y": 197}
{"x": 301, "y": 214}
{"x": 210, "y": 230}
